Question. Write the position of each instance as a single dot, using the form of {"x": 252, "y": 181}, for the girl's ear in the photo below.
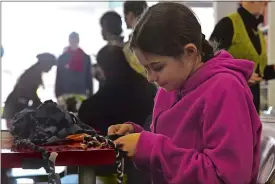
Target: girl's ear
{"x": 190, "y": 49}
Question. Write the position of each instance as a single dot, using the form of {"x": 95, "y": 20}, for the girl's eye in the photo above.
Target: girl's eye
{"x": 158, "y": 68}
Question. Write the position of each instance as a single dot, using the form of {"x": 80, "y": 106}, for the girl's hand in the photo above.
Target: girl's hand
{"x": 255, "y": 78}
{"x": 128, "y": 143}
{"x": 121, "y": 129}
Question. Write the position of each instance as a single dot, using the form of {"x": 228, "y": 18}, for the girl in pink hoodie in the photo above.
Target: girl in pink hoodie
{"x": 205, "y": 128}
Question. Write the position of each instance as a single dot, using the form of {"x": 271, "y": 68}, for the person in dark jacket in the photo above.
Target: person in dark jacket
{"x": 123, "y": 86}
{"x": 111, "y": 30}
{"x": 239, "y": 34}
{"x": 24, "y": 95}
{"x": 73, "y": 76}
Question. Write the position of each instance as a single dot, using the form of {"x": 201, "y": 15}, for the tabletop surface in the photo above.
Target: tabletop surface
{"x": 66, "y": 156}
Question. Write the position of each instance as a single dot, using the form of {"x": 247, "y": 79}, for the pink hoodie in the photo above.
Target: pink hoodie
{"x": 211, "y": 135}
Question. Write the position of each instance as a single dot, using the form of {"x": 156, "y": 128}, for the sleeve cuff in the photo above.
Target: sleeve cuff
{"x": 144, "y": 149}
{"x": 137, "y": 128}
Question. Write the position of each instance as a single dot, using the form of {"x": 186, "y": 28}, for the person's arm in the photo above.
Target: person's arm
{"x": 269, "y": 72}
{"x": 91, "y": 112}
{"x": 36, "y": 101}
{"x": 138, "y": 128}
{"x": 58, "y": 83}
{"x": 223, "y": 33}
{"x": 98, "y": 112}
{"x": 148, "y": 123}
{"x": 228, "y": 136}
{"x": 89, "y": 77}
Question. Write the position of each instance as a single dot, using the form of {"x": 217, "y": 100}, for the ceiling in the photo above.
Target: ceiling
{"x": 199, "y": 3}
{"x": 84, "y": 6}
{"x": 93, "y": 5}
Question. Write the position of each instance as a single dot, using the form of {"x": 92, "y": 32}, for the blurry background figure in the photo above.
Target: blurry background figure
{"x": 24, "y": 94}
{"x": 125, "y": 96}
{"x": 73, "y": 76}
{"x": 111, "y": 30}
{"x": 1, "y": 51}
{"x": 111, "y": 25}
{"x": 239, "y": 34}
{"x": 132, "y": 12}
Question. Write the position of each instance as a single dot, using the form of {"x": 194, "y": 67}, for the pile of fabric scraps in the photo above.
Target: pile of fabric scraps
{"x": 50, "y": 124}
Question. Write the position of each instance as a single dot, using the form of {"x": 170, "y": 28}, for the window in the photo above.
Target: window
{"x": 206, "y": 18}
{"x": 36, "y": 30}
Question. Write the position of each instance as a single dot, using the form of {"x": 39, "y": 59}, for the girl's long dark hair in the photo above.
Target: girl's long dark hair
{"x": 165, "y": 28}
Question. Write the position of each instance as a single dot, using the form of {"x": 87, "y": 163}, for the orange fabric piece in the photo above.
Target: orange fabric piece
{"x": 77, "y": 137}
{"x": 77, "y": 145}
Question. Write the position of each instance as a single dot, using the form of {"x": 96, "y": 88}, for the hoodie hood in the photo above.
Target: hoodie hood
{"x": 223, "y": 62}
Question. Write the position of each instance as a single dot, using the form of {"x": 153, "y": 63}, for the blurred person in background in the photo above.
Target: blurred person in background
{"x": 125, "y": 96}
{"x": 239, "y": 34}
{"x": 1, "y": 51}
{"x": 132, "y": 12}
{"x": 24, "y": 94}
{"x": 73, "y": 76}
{"x": 111, "y": 28}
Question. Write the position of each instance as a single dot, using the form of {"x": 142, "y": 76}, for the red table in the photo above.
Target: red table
{"x": 85, "y": 160}
{"x": 11, "y": 159}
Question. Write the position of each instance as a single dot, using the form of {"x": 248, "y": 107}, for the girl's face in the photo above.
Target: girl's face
{"x": 168, "y": 72}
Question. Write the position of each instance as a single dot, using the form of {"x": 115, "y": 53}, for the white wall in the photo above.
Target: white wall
{"x": 205, "y": 14}
{"x": 223, "y": 8}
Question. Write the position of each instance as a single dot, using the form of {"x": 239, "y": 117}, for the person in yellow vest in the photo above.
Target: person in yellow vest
{"x": 238, "y": 33}
{"x": 132, "y": 12}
